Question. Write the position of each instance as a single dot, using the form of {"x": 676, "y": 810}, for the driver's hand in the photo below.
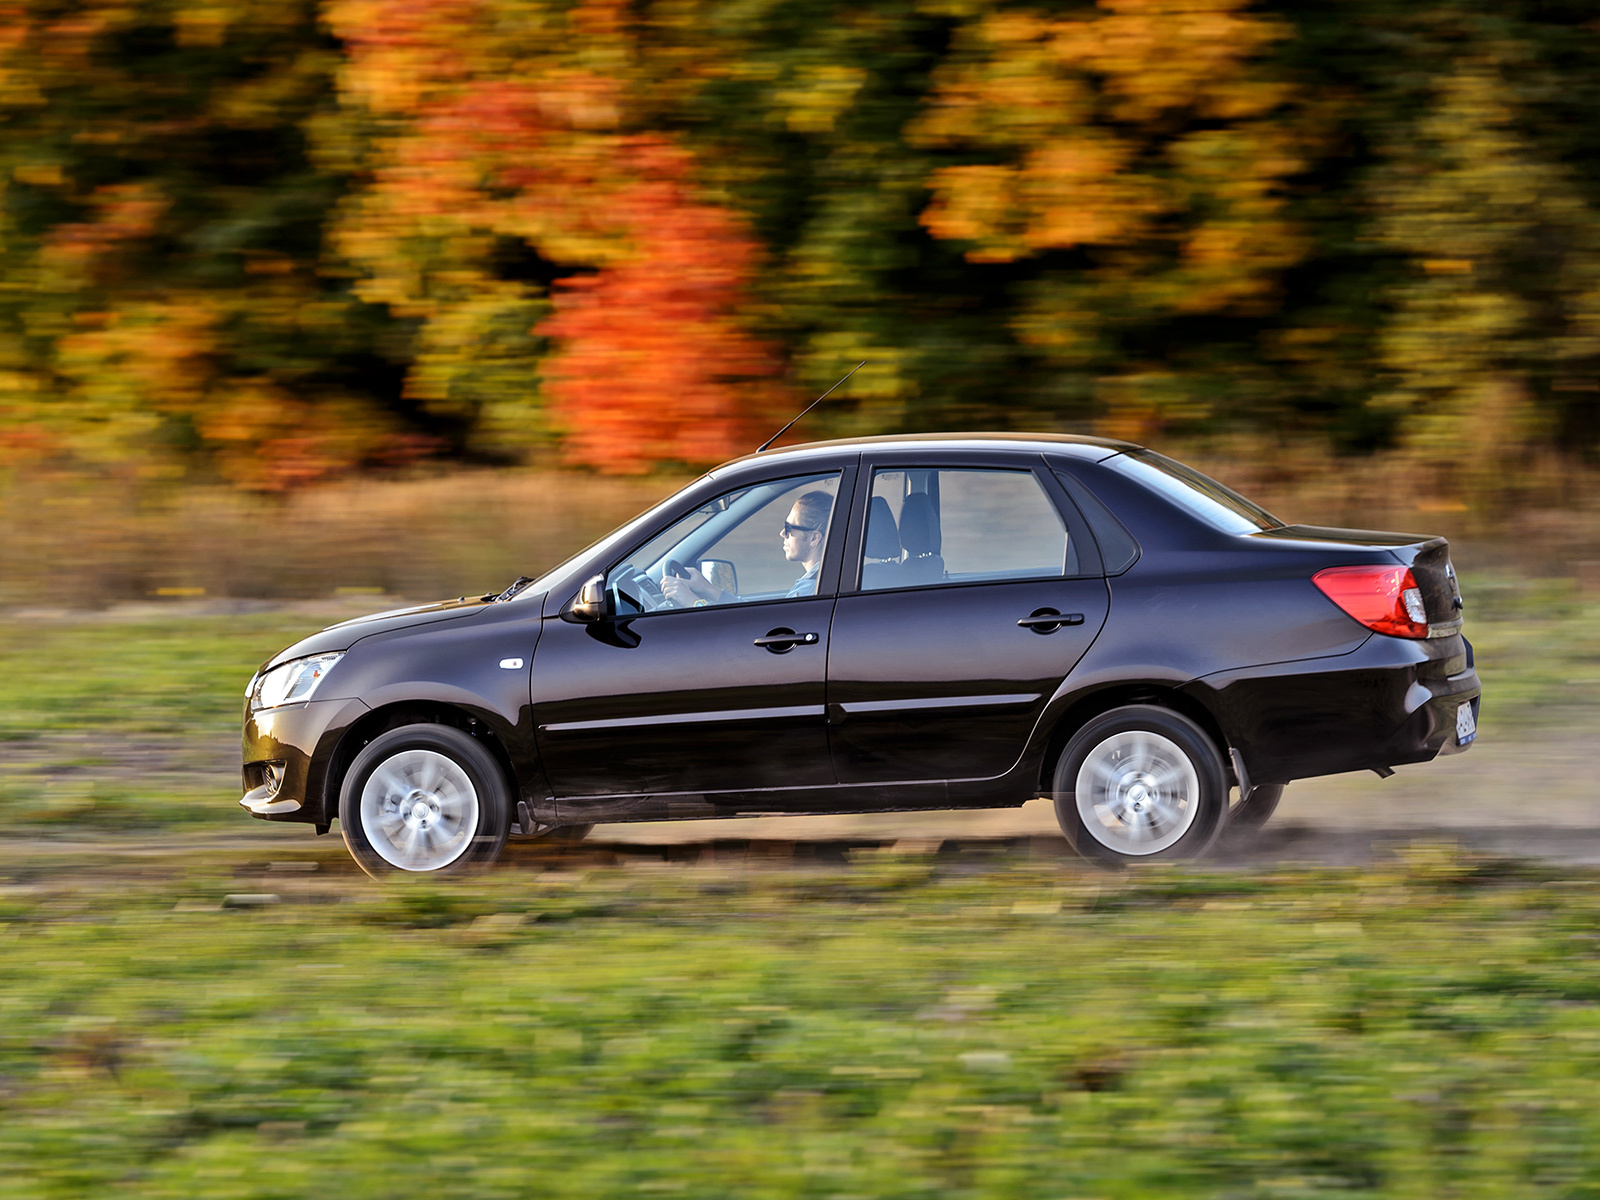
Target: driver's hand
{"x": 684, "y": 592}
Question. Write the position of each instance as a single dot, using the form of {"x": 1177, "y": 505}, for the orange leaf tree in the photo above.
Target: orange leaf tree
{"x": 549, "y": 247}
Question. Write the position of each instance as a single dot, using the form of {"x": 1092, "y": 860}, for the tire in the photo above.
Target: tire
{"x": 1257, "y": 808}
{"x": 424, "y": 800}
{"x": 1140, "y": 784}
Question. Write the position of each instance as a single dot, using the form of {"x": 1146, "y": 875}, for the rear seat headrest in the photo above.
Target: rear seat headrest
{"x": 919, "y": 525}
{"x": 883, "y": 538}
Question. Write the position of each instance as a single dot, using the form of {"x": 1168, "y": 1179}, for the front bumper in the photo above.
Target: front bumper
{"x": 286, "y": 752}
{"x": 265, "y": 798}
{"x": 1388, "y": 702}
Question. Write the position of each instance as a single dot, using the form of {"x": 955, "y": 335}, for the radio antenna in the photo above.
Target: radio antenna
{"x": 809, "y": 407}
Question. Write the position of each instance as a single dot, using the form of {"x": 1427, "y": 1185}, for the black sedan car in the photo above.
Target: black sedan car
{"x": 904, "y": 623}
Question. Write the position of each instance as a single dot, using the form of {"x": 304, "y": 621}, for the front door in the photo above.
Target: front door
{"x": 710, "y": 677}
{"x": 943, "y": 658}
{"x": 685, "y": 702}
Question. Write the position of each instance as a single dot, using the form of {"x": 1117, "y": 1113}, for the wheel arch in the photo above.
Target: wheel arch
{"x": 1102, "y": 700}
{"x": 411, "y": 712}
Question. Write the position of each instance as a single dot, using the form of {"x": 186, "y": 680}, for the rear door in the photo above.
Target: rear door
{"x": 971, "y": 589}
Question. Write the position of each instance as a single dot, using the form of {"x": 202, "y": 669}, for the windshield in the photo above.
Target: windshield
{"x": 1218, "y": 506}
{"x": 553, "y": 576}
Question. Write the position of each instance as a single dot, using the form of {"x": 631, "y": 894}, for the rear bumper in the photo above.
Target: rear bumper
{"x": 1390, "y": 701}
{"x": 286, "y": 752}
{"x": 1451, "y": 744}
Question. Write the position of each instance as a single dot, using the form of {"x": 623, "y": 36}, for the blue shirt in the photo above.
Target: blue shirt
{"x": 806, "y": 585}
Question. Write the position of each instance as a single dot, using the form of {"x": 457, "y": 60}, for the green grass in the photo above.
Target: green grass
{"x": 895, "y": 1028}
{"x": 120, "y": 726}
{"x": 950, "y": 1027}
{"x": 136, "y": 717}
{"x": 180, "y": 675}
{"x": 1538, "y": 652}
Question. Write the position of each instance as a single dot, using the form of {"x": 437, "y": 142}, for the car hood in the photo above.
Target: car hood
{"x": 347, "y": 633}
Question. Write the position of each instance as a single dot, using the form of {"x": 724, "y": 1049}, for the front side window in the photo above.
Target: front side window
{"x": 760, "y": 542}
{"x": 931, "y": 526}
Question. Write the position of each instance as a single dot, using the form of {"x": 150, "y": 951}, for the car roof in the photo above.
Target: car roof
{"x": 1075, "y": 445}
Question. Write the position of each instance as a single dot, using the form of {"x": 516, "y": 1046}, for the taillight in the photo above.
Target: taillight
{"x": 1384, "y": 599}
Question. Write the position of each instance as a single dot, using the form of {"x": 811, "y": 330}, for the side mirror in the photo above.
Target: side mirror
{"x": 721, "y": 573}
{"x": 592, "y": 603}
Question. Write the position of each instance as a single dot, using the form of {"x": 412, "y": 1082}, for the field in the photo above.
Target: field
{"x": 891, "y": 1025}
{"x": 193, "y": 1004}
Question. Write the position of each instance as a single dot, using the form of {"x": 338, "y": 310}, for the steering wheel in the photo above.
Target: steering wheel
{"x": 674, "y": 569}
{"x": 649, "y": 589}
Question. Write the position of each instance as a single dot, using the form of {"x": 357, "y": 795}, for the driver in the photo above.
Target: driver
{"x": 802, "y": 536}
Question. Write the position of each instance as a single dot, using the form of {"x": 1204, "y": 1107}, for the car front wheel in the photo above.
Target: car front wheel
{"x": 424, "y": 799}
{"x": 1140, "y": 784}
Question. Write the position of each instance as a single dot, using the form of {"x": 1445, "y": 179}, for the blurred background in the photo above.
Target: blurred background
{"x": 310, "y": 304}
{"x": 416, "y": 296}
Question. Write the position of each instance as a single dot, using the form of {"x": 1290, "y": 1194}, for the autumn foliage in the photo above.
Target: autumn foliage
{"x": 1154, "y": 138}
{"x": 272, "y": 241}
{"x": 651, "y": 364}
{"x": 527, "y": 142}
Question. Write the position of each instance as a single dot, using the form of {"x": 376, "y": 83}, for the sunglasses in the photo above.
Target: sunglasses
{"x": 790, "y": 530}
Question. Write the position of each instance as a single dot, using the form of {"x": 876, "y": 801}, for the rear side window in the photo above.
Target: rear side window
{"x": 1218, "y": 506}
{"x": 928, "y": 526}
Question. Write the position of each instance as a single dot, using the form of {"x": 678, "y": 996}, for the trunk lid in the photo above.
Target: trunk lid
{"x": 1426, "y": 555}
{"x": 1436, "y": 577}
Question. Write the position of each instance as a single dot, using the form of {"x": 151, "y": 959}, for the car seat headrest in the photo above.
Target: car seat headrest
{"x": 919, "y": 525}
{"x": 883, "y": 539}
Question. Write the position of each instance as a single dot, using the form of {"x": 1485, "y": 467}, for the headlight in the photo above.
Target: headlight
{"x": 294, "y": 681}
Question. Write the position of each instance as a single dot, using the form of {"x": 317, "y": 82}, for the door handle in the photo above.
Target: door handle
{"x": 1048, "y": 620}
{"x": 781, "y": 641}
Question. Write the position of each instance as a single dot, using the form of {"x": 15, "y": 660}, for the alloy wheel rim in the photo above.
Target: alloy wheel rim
{"x": 419, "y": 810}
{"x": 1137, "y": 792}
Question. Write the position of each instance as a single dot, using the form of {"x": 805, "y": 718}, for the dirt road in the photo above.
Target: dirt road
{"x": 1534, "y": 797}
{"x": 1537, "y": 797}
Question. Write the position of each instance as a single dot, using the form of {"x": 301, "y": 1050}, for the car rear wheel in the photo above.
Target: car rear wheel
{"x": 1257, "y": 808}
{"x": 1140, "y": 784}
{"x": 424, "y": 800}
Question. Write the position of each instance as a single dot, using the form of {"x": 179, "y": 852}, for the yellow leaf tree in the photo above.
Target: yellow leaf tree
{"x": 1141, "y": 150}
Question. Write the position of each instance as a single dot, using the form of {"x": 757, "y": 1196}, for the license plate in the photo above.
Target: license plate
{"x": 1466, "y": 727}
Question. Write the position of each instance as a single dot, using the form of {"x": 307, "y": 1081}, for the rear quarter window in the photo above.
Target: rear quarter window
{"x": 1118, "y": 549}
